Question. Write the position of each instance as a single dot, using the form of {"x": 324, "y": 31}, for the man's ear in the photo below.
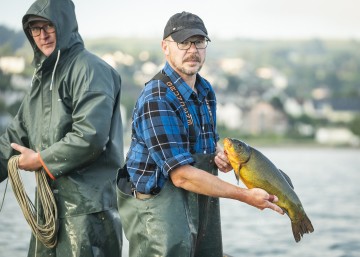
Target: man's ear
{"x": 165, "y": 47}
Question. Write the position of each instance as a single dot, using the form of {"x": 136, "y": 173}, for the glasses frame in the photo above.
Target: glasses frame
{"x": 191, "y": 42}
{"x": 48, "y": 28}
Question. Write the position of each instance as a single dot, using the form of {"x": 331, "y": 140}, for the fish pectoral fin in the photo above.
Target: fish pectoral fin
{"x": 287, "y": 178}
{"x": 237, "y": 174}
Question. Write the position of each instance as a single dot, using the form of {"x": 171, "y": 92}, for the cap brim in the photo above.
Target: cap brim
{"x": 182, "y": 35}
{"x": 33, "y": 19}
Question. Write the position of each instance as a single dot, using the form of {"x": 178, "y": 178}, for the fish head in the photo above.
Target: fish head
{"x": 238, "y": 153}
{"x": 236, "y": 149}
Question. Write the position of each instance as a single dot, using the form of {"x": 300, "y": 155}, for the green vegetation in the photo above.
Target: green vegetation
{"x": 10, "y": 41}
{"x": 355, "y": 125}
{"x": 266, "y": 139}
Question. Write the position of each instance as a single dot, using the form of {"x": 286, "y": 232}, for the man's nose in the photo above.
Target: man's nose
{"x": 193, "y": 47}
{"x": 43, "y": 33}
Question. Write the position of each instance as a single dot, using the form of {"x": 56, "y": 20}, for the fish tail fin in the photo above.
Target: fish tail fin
{"x": 301, "y": 227}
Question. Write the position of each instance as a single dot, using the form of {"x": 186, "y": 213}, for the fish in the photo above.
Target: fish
{"x": 255, "y": 170}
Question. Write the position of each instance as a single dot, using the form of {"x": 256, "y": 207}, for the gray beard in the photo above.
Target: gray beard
{"x": 188, "y": 72}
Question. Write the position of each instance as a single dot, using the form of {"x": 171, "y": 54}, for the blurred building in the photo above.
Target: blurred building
{"x": 334, "y": 110}
{"x": 12, "y": 64}
{"x": 263, "y": 118}
{"x": 336, "y": 136}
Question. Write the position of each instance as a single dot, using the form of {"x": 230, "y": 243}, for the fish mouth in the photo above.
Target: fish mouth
{"x": 227, "y": 144}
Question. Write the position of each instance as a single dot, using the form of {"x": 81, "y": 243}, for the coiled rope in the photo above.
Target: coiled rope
{"x": 45, "y": 226}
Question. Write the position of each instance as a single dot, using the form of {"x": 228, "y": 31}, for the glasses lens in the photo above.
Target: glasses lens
{"x": 36, "y": 31}
{"x": 49, "y": 28}
{"x": 184, "y": 45}
{"x": 201, "y": 44}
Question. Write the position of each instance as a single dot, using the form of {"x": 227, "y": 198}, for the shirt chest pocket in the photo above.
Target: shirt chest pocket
{"x": 62, "y": 113}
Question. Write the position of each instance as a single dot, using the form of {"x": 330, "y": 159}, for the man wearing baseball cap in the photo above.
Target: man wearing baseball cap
{"x": 168, "y": 192}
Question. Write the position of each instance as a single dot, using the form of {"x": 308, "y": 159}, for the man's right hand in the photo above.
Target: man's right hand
{"x": 29, "y": 159}
{"x": 261, "y": 199}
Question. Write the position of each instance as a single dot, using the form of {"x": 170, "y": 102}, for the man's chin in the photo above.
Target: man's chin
{"x": 193, "y": 70}
{"x": 190, "y": 70}
{"x": 47, "y": 50}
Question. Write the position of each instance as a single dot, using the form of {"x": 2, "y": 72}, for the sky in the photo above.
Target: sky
{"x": 226, "y": 19}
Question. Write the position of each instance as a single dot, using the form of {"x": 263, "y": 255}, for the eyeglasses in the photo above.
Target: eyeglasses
{"x": 199, "y": 44}
{"x": 48, "y": 28}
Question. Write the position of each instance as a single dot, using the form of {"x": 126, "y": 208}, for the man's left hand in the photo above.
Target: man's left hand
{"x": 222, "y": 162}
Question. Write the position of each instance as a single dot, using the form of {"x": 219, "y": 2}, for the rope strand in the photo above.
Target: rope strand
{"x": 45, "y": 226}
{"x": 3, "y": 199}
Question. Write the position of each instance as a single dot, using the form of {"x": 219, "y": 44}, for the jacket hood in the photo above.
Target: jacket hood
{"x": 62, "y": 15}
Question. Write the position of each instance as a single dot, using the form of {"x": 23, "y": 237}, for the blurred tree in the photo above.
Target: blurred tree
{"x": 14, "y": 39}
{"x": 233, "y": 83}
{"x": 355, "y": 125}
{"x": 5, "y": 83}
{"x": 277, "y": 103}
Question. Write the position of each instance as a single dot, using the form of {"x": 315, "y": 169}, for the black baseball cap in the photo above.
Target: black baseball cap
{"x": 183, "y": 25}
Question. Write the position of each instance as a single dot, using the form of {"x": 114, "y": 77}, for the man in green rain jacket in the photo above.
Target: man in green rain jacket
{"x": 69, "y": 126}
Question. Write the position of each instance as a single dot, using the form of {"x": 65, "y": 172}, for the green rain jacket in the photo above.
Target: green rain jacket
{"x": 71, "y": 116}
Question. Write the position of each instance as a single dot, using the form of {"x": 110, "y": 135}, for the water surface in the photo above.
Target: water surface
{"x": 326, "y": 181}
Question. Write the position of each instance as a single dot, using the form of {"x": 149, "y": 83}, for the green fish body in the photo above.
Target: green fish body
{"x": 256, "y": 171}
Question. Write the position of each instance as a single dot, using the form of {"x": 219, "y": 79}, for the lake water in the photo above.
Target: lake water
{"x": 326, "y": 180}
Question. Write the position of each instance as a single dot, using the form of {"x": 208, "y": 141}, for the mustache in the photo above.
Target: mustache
{"x": 192, "y": 58}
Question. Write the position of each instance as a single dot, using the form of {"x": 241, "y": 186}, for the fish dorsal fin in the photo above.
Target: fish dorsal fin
{"x": 287, "y": 178}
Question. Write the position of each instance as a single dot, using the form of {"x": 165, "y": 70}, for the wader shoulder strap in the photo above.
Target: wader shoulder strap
{"x": 164, "y": 78}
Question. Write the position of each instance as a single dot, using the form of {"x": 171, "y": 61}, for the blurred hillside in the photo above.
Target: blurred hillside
{"x": 268, "y": 91}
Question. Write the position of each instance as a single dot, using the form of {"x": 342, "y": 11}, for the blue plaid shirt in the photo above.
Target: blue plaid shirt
{"x": 160, "y": 132}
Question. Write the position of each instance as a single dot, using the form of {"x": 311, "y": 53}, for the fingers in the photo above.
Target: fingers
{"x": 276, "y": 208}
{"x": 222, "y": 156}
{"x": 17, "y": 147}
{"x": 222, "y": 162}
{"x": 273, "y": 199}
{"x": 28, "y": 158}
{"x": 262, "y": 200}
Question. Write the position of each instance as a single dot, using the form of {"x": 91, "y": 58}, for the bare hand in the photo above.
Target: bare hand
{"x": 28, "y": 159}
{"x": 260, "y": 199}
{"x": 222, "y": 162}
